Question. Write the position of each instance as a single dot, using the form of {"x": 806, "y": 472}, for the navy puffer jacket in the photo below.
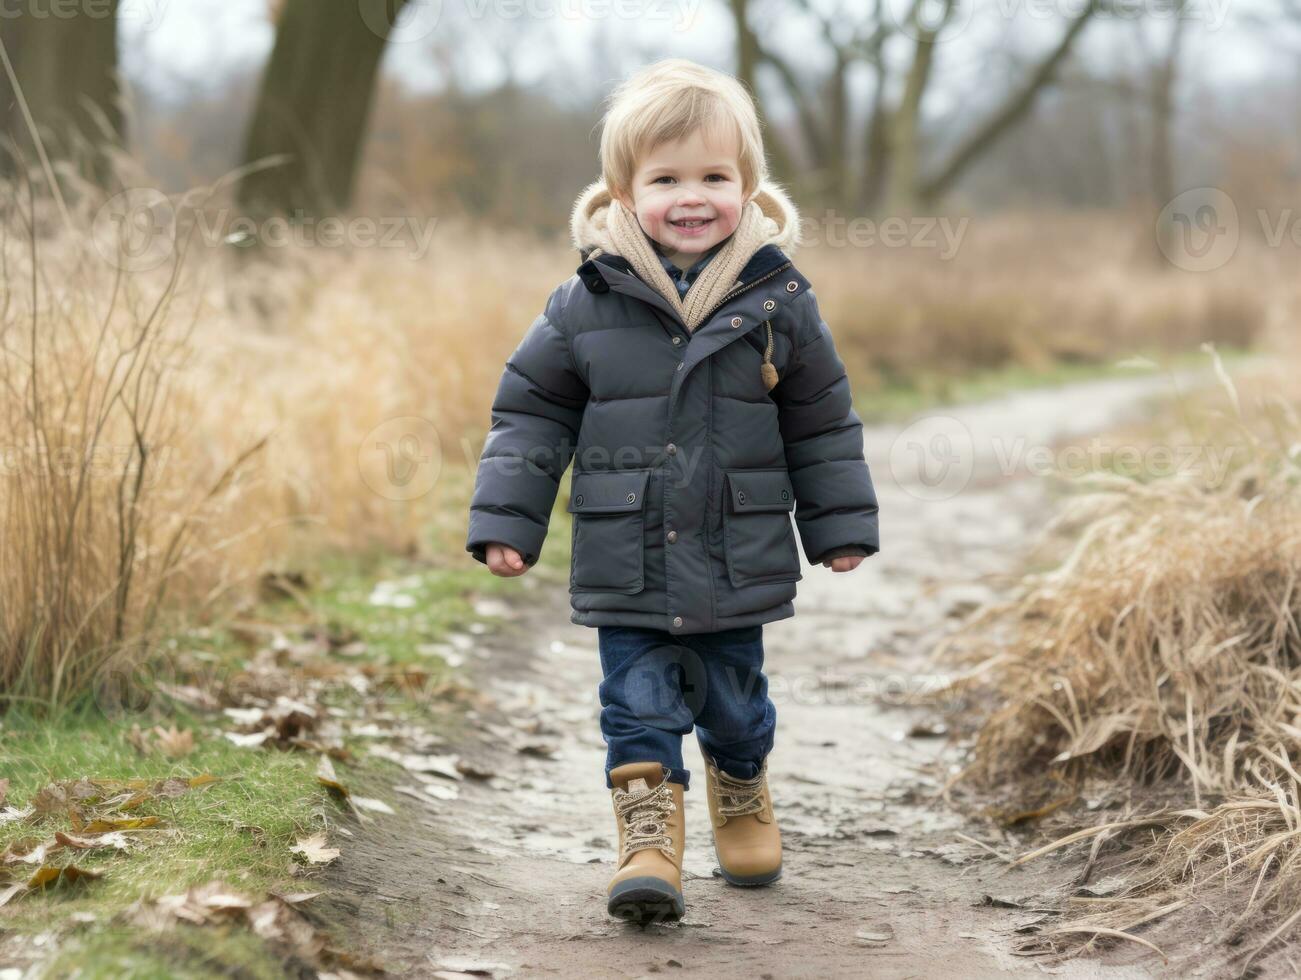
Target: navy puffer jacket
{"x": 687, "y": 468}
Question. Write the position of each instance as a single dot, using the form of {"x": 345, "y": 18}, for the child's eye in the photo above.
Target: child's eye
{"x": 658, "y": 179}
{"x": 719, "y": 176}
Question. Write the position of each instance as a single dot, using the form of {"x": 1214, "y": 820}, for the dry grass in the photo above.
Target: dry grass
{"x": 1164, "y": 651}
{"x": 1034, "y": 290}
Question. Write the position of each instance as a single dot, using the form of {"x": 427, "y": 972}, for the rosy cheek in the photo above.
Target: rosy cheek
{"x": 655, "y": 224}
{"x": 730, "y": 217}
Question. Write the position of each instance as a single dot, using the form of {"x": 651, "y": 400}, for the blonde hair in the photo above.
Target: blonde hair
{"x": 669, "y": 100}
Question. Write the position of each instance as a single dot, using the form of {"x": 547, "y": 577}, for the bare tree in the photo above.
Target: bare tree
{"x": 60, "y": 75}
{"x": 314, "y": 103}
{"x": 890, "y": 134}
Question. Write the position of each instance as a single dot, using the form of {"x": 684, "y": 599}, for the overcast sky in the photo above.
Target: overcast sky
{"x": 174, "y": 45}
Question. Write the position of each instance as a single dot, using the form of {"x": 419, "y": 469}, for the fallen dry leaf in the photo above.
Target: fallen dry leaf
{"x": 105, "y": 824}
{"x": 474, "y": 771}
{"x": 28, "y": 850}
{"x": 48, "y": 875}
{"x": 252, "y": 740}
{"x": 273, "y": 919}
{"x": 314, "y": 850}
{"x": 328, "y": 778}
{"x": 174, "y": 743}
{"x": 442, "y": 765}
{"x": 205, "y": 903}
{"x": 366, "y": 803}
{"x": 285, "y": 721}
{"x": 114, "y": 839}
{"x": 194, "y": 697}
{"x": 277, "y": 922}
{"x": 297, "y": 898}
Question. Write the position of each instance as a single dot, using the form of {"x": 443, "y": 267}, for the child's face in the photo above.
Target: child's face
{"x": 687, "y": 195}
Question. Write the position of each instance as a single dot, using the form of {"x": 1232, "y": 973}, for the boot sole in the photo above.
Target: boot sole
{"x": 646, "y": 899}
{"x": 746, "y": 881}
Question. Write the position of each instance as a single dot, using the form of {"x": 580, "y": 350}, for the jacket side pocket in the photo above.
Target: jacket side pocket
{"x": 758, "y": 537}
{"x": 609, "y": 509}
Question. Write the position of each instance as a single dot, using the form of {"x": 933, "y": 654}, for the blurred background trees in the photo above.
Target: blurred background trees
{"x": 883, "y": 106}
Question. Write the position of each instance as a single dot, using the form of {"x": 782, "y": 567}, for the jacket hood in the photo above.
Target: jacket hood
{"x": 587, "y": 220}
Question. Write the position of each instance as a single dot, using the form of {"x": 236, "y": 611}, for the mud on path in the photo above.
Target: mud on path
{"x": 879, "y": 878}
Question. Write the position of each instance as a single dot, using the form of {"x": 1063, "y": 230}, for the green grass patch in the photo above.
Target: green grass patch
{"x": 239, "y": 829}
{"x": 184, "y": 953}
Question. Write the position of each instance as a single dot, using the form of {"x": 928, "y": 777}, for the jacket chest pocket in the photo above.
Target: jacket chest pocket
{"x": 758, "y": 537}
{"x": 609, "y": 520}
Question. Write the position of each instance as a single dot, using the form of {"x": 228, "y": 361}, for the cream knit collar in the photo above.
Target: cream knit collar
{"x": 601, "y": 224}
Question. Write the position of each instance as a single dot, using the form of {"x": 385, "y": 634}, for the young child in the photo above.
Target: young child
{"x": 687, "y": 372}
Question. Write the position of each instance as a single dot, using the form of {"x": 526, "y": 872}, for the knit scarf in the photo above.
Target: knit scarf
{"x": 601, "y": 223}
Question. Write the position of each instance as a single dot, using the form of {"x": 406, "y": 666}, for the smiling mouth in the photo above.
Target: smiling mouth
{"x": 691, "y": 224}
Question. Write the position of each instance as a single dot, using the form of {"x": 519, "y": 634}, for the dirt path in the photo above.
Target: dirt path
{"x": 509, "y": 878}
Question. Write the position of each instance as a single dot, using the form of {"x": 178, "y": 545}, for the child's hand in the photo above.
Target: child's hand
{"x": 847, "y": 563}
{"x": 505, "y": 561}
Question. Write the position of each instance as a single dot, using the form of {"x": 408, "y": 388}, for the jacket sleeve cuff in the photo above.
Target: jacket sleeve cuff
{"x": 844, "y": 551}
{"x": 524, "y": 537}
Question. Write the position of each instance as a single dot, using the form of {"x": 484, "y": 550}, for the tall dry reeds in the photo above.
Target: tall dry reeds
{"x": 1161, "y": 660}
{"x": 96, "y": 522}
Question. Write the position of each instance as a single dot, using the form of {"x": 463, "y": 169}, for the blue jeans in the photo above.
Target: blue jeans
{"x": 657, "y": 685}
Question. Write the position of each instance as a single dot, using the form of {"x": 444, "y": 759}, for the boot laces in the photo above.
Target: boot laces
{"x": 645, "y": 819}
{"x": 737, "y": 797}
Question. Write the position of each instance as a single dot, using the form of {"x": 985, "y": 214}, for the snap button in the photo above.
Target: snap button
{"x": 671, "y": 449}
{"x": 632, "y": 497}
{"x": 673, "y": 536}
{"x": 736, "y": 321}
{"x": 679, "y": 365}
{"x": 676, "y": 341}
{"x": 579, "y": 500}
{"x": 786, "y": 495}
{"x": 740, "y": 496}
{"x": 792, "y": 286}
{"x": 677, "y": 621}
{"x": 769, "y": 305}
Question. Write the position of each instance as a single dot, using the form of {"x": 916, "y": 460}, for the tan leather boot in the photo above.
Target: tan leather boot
{"x": 647, "y": 885}
{"x": 747, "y": 841}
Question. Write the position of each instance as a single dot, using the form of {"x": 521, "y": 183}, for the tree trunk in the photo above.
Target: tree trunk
{"x": 904, "y": 180}
{"x": 1163, "y": 124}
{"x": 748, "y": 56}
{"x": 67, "y": 71}
{"x": 314, "y": 103}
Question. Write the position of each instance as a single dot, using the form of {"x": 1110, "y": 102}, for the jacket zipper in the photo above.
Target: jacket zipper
{"x": 747, "y": 286}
